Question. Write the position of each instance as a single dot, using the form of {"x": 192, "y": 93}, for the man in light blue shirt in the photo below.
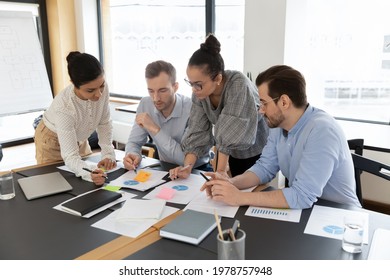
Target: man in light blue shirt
{"x": 305, "y": 143}
{"x": 163, "y": 115}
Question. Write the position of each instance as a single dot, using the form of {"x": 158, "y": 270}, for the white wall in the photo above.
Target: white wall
{"x": 264, "y": 34}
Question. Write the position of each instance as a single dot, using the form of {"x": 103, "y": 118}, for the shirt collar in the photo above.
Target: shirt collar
{"x": 302, "y": 120}
{"x": 177, "y": 110}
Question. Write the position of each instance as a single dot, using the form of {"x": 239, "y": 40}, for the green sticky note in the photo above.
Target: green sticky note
{"x": 112, "y": 188}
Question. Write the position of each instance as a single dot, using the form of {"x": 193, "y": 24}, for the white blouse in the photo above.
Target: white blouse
{"x": 74, "y": 120}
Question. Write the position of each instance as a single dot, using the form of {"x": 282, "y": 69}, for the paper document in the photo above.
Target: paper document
{"x": 131, "y": 228}
{"x": 329, "y": 222}
{"x": 127, "y": 180}
{"x": 141, "y": 209}
{"x": 202, "y": 203}
{"x": 93, "y": 166}
{"x": 380, "y": 245}
{"x": 185, "y": 189}
{"x": 288, "y": 215}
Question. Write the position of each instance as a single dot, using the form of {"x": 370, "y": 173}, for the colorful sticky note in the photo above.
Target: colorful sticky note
{"x": 143, "y": 176}
{"x": 166, "y": 193}
{"x": 112, "y": 188}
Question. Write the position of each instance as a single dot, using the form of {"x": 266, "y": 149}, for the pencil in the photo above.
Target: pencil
{"x": 231, "y": 234}
{"x": 185, "y": 167}
{"x": 218, "y": 225}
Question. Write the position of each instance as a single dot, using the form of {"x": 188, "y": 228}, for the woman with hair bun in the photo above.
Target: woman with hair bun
{"x": 224, "y": 113}
{"x": 75, "y": 113}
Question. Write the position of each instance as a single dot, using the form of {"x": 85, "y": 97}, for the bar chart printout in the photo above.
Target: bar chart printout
{"x": 288, "y": 215}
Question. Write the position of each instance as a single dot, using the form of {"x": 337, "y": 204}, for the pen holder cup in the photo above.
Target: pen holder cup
{"x": 231, "y": 249}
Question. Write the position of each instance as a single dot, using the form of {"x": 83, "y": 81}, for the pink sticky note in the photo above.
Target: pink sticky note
{"x": 166, "y": 193}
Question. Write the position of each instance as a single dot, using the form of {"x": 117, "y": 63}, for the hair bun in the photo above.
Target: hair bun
{"x": 72, "y": 55}
{"x": 211, "y": 45}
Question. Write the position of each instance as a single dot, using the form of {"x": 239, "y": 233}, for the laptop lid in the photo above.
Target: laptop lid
{"x": 44, "y": 185}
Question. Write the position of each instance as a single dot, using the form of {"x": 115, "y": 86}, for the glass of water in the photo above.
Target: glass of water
{"x": 353, "y": 234}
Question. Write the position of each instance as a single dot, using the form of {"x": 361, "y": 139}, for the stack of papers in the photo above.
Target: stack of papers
{"x": 140, "y": 209}
{"x": 133, "y": 224}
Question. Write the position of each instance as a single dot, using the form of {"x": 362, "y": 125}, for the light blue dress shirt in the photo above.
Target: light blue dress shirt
{"x": 314, "y": 156}
{"x": 168, "y": 139}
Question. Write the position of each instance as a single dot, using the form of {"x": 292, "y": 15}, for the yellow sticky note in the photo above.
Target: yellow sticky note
{"x": 142, "y": 176}
{"x": 112, "y": 188}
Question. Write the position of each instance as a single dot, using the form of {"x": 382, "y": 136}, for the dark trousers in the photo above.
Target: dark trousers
{"x": 238, "y": 166}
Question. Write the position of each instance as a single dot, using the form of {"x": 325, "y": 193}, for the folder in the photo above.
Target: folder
{"x": 83, "y": 204}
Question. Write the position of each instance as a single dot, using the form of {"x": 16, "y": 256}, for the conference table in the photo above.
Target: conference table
{"x": 34, "y": 230}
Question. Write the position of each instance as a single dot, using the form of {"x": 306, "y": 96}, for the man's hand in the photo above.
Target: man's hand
{"x": 131, "y": 161}
{"x": 144, "y": 120}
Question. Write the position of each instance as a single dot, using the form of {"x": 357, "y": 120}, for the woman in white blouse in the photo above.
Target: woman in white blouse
{"x": 75, "y": 113}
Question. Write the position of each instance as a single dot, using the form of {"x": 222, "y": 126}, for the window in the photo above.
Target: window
{"x": 343, "y": 48}
{"x": 136, "y": 33}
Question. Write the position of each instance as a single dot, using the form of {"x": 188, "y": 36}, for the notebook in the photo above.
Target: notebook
{"x": 85, "y": 203}
{"x": 44, "y": 185}
{"x": 191, "y": 227}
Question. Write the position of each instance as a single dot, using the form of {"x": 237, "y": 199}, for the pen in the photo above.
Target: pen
{"x": 135, "y": 169}
{"x": 235, "y": 227}
{"x": 90, "y": 171}
{"x": 204, "y": 176}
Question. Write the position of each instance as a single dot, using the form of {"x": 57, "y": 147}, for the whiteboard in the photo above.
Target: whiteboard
{"x": 24, "y": 82}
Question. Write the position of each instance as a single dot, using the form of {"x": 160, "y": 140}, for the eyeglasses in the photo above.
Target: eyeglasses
{"x": 263, "y": 104}
{"x": 195, "y": 86}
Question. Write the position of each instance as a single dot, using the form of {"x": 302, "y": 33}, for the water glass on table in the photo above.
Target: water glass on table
{"x": 353, "y": 234}
{"x": 7, "y": 189}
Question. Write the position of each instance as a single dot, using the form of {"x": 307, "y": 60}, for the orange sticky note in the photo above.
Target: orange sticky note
{"x": 142, "y": 176}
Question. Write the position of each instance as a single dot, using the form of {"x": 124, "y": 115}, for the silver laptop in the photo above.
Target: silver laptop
{"x": 44, "y": 185}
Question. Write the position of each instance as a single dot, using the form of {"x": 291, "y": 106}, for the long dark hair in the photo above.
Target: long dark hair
{"x": 83, "y": 68}
{"x": 208, "y": 57}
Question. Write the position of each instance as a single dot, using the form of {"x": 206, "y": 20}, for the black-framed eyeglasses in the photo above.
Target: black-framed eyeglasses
{"x": 195, "y": 86}
{"x": 263, "y": 104}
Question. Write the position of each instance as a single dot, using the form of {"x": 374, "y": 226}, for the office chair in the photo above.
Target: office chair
{"x": 356, "y": 145}
{"x": 371, "y": 166}
{"x": 150, "y": 144}
{"x": 1, "y": 152}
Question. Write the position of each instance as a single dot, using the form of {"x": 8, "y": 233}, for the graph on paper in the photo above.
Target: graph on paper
{"x": 288, "y": 215}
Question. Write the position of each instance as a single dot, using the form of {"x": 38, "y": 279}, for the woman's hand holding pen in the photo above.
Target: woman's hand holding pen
{"x": 98, "y": 176}
{"x": 107, "y": 164}
{"x": 131, "y": 161}
{"x": 180, "y": 172}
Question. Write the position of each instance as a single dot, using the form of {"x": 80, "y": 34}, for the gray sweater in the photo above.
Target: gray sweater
{"x": 235, "y": 127}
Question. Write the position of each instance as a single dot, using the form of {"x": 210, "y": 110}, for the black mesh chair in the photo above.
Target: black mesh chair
{"x": 363, "y": 164}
